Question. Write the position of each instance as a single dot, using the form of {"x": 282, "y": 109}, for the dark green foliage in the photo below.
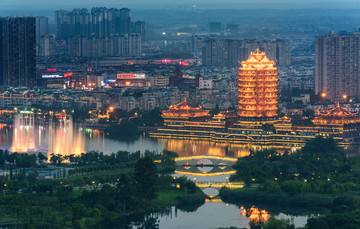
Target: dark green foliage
{"x": 146, "y": 176}
{"x": 277, "y": 199}
{"x": 318, "y": 167}
{"x": 273, "y": 223}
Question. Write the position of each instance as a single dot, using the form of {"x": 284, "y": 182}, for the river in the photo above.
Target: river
{"x": 70, "y": 139}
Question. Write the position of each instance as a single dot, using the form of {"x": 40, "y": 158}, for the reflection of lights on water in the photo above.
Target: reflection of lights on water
{"x": 255, "y": 214}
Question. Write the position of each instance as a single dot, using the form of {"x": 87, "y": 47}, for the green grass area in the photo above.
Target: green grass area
{"x": 167, "y": 197}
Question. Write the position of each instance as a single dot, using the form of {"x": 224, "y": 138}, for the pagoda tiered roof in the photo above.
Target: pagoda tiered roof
{"x": 257, "y": 59}
{"x": 337, "y": 115}
{"x": 185, "y": 109}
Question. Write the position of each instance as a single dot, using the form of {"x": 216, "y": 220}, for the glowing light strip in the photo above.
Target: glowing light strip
{"x": 205, "y": 174}
{"x": 208, "y": 157}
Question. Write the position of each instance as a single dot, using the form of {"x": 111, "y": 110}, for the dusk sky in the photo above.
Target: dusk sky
{"x": 285, "y": 4}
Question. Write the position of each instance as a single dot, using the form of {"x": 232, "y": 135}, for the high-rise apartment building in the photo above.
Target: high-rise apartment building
{"x": 228, "y": 52}
{"x": 46, "y": 46}
{"x": 102, "y": 32}
{"x": 140, "y": 28}
{"x": 42, "y": 28}
{"x": 99, "y": 23}
{"x": 18, "y": 51}
{"x": 211, "y": 53}
{"x": 125, "y": 21}
{"x": 337, "y": 65}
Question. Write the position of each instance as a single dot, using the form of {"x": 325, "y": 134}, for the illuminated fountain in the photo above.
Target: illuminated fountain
{"x": 64, "y": 139}
{"x": 24, "y": 133}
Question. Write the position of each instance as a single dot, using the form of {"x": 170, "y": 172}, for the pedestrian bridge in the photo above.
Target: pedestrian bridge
{"x": 211, "y": 189}
{"x": 204, "y": 165}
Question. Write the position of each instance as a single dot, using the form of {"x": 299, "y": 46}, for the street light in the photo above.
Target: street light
{"x": 344, "y": 97}
{"x": 323, "y": 95}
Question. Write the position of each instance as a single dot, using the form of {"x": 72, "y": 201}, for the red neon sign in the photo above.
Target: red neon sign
{"x": 68, "y": 74}
{"x": 183, "y": 63}
{"x": 51, "y": 69}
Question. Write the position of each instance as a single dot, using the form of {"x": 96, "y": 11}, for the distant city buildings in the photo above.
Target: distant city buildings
{"x": 42, "y": 29}
{"x": 233, "y": 29}
{"x": 337, "y": 66}
{"x": 101, "y": 32}
{"x": 18, "y": 51}
{"x": 215, "y": 27}
{"x": 228, "y": 52}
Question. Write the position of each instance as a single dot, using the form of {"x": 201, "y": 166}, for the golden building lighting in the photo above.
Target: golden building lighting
{"x": 185, "y": 110}
{"x": 257, "y": 124}
{"x": 337, "y": 115}
{"x": 255, "y": 214}
{"x": 257, "y": 87}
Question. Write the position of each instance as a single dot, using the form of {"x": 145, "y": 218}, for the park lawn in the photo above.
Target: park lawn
{"x": 167, "y": 197}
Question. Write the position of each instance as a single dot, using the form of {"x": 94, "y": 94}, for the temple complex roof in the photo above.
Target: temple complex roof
{"x": 185, "y": 109}
{"x": 225, "y": 114}
{"x": 337, "y": 115}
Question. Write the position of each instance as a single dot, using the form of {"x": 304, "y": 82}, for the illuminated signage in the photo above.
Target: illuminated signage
{"x": 131, "y": 76}
{"x": 51, "y": 76}
{"x": 51, "y": 69}
{"x": 68, "y": 74}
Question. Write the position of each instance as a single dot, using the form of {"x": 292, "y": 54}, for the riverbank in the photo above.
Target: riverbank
{"x": 307, "y": 202}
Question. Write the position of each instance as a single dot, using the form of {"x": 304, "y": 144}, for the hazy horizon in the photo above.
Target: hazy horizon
{"x": 161, "y": 4}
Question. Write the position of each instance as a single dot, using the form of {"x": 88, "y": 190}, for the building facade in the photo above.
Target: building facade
{"x": 337, "y": 66}
{"x": 18, "y": 51}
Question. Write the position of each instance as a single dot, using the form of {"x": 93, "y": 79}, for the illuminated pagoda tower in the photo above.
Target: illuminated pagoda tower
{"x": 257, "y": 88}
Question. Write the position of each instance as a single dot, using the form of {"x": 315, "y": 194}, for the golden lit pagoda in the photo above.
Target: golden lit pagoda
{"x": 257, "y": 87}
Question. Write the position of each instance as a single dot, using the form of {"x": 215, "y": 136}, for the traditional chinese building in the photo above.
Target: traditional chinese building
{"x": 257, "y": 124}
{"x": 257, "y": 87}
{"x": 337, "y": 115}
{"x": 185, "y": 111}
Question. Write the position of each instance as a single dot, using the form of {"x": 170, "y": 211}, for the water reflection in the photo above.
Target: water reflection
{"x": 62, "y": 136}
{"x": 255, "y": 214}
{"x": 195, "y": 147}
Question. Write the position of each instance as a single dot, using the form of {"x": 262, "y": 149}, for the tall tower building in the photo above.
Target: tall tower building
{"x": 257, "y": 87}
{"x": 42, "y": 28}
{"x": 337, "y": 65}
{"x": 211, "y": 53}
{"x": 18, "y": 51}
{"x": 283, "y": 53}
{"x": 125, "y": 21}
{"x": 140, "y": 28}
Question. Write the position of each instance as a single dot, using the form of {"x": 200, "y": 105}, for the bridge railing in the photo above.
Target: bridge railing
{"x": 208, "y": 157}
{"x": 231, "y": 185}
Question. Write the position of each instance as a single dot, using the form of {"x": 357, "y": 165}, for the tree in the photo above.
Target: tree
{"x": 273, "y": 223}
{"x": 146, "y": 177}
{"x": 317, "y": 223}
{"x": 41, "y": 158}
{"x": 56, "y": 159}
